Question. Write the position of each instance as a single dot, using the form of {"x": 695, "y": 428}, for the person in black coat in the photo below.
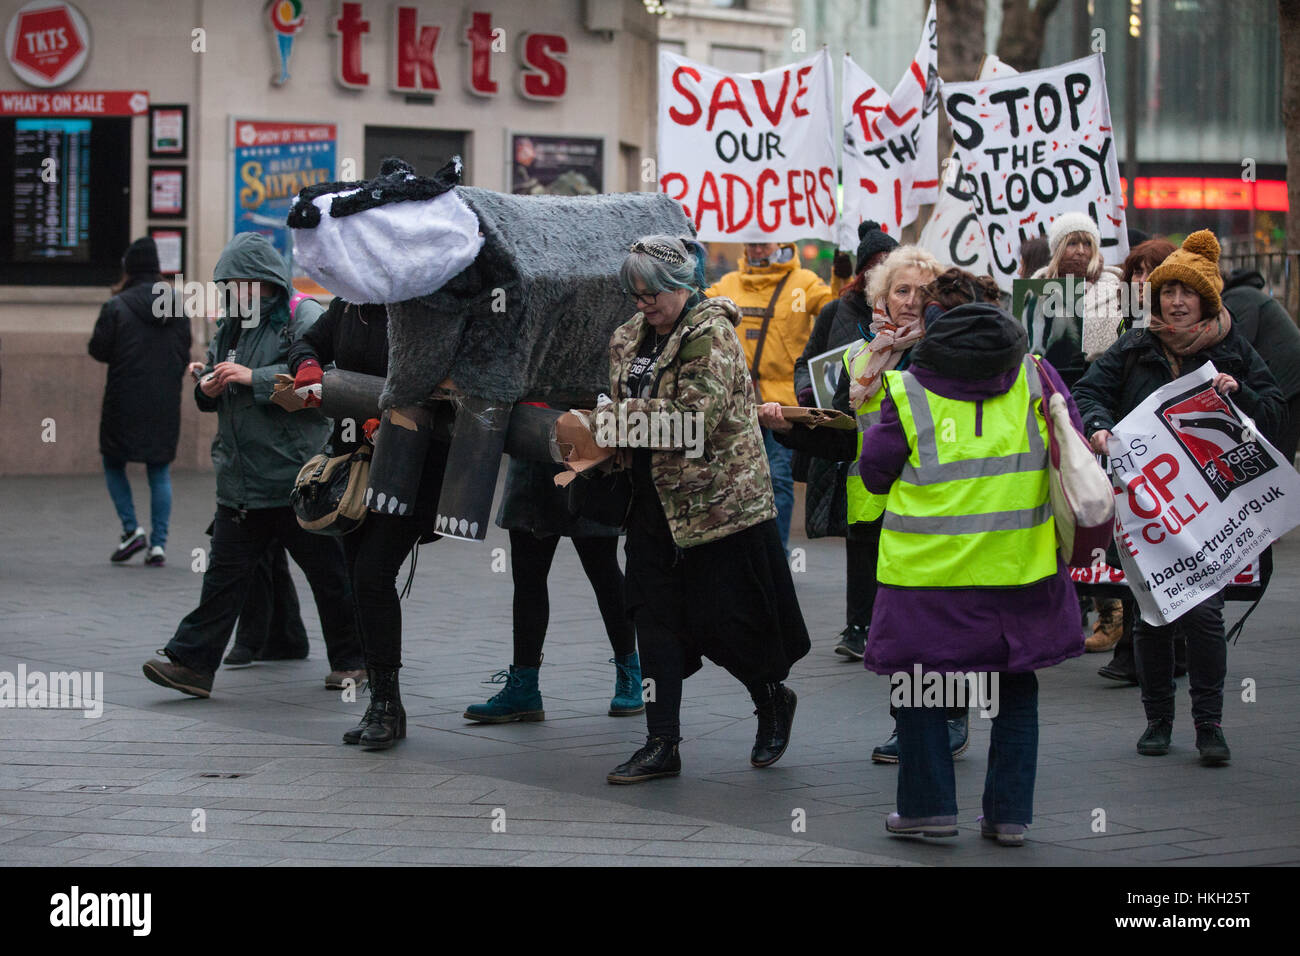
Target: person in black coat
{"x": 1265, "y": 324}
{"x": 354, "y": 338}
{"x": 145, "y": 340}
{"x": 1188, "y": 328}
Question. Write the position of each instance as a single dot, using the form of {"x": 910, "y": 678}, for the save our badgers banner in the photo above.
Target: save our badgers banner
{"x": 1033, "y": 146}
{"x": 750, "y": 156}
{"x": 891, "y": 143}
{"x": 1199, "y": 495}
{"x": 953, "y": 232}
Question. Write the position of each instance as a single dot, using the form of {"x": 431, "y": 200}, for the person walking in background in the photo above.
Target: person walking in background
{"x": 778, "y": 300}
{"x": 1188, "y": 327}
{"x": 958, "y": 594}
{"x": 1264, "y": 323}
{"x": 258, "y": 451}
{"x": 841, "y": 322}
{"x": 145, "y": 340}
{"x": 536, "y": 514}
{"x": 706, "y": 573}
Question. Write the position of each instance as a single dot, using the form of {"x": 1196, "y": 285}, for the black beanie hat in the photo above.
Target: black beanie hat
{"x": 141, "y": 257}
{"x": 871, "y": 240}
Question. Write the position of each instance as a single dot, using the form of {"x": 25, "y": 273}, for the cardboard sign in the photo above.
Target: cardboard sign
{"x": 750, "y": 156}
{"x": 1034, "y": 146}
{"x": 815, "y": 417}
{"x": 1199, "y": 495}
{"x": 891, "y": 144}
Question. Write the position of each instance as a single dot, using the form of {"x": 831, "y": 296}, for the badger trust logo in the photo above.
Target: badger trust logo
{"x": 1226, "y": 450}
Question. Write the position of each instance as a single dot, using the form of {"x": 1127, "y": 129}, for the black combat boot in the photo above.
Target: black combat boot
{"x": 387, "y": 723}
{"x": 658, "y": 758}
{"x": 775, "y": 703}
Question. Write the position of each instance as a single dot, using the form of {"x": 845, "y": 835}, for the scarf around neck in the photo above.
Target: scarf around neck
{"x": 889, "y": 340}
{"x": 1189, "y": 338}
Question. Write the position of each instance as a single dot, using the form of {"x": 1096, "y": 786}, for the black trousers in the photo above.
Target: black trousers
{"x": 270, "y": 621}
{"x": 375, "y": 552}
{"x": 530, "y": 565}
{"x": 239, "y": 539}
{"x": 1207, "y": 662}
{"x": 861, "y": 552}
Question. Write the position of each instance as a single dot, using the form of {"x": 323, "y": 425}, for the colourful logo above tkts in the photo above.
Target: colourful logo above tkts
{"x": 1225, "y": 447}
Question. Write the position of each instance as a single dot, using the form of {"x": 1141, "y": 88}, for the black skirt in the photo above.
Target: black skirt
{"x": 731, "y": 600}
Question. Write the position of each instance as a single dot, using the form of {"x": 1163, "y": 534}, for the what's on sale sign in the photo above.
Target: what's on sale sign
{"x": 750, "y": 156}
{"x": 1199, "y": 495}
{"x": 1033, "y": 146}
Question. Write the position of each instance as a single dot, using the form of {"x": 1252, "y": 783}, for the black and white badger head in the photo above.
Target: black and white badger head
{"x": 392, "y": 238}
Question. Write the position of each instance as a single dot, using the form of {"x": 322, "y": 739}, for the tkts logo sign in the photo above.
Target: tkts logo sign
{"x": 1225, "y": 448}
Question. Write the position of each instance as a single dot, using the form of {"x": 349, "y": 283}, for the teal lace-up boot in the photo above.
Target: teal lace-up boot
{"x": 519, "y": 699}
{"x": 627, "y": 686}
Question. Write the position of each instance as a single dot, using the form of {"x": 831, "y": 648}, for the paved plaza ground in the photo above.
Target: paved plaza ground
{"x": 263, "y": 760}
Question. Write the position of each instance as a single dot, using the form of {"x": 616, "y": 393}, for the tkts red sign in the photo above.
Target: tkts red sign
{"x": 1225, "y": 449}
{"x": 47, "y": 43}
{"x": 414, "y": 56}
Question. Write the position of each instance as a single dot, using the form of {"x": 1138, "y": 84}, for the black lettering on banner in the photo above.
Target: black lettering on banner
{"x": 1045, "y": 91}
{"x": 954, "y": 241}
{"x": 1074, "y": 98}
{"x": 1008, "y": 98}
{"x": 974, "y": 133}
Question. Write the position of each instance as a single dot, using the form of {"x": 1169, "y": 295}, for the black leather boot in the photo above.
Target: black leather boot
{"x": 775, "y": 703}
{"x": 388, "y": 720}
{"x": 658, "y": 758}
{"x": 353, "y": 736}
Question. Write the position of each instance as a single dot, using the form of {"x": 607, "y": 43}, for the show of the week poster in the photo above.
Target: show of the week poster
{"x": 273, "y": 161}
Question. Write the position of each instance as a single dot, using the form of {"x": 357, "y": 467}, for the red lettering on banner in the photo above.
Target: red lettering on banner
{"x": 1146, "y": 528}
{"x": 677, "y": 116}
{"x": 861, "y": 109}
{"x": 763, "y": 178}
{"x": 734, "y": 224}
{"x": 829, "y": 189}
{"x": 800, "y": 90}
{"x": 717, "y": 103}
{"x": 793, "y": 191}
{"x": 810, "y": 190}
{"x": 544, "y": 77}
{"x": 686, "y": 187}
{"x": 773, "y": 116}
{"x": 714, "y": 204}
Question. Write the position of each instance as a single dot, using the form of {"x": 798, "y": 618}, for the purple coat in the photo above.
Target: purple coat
{"x": 966, "y": 629}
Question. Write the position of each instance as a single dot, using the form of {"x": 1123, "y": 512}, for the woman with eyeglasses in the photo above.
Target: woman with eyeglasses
{"x": 706, "y": 574}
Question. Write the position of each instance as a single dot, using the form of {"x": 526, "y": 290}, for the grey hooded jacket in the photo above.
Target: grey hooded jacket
{"x": 259, "y": 448}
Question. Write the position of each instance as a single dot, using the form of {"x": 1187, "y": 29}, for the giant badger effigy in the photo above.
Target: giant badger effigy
{"x": 492, "y": 299}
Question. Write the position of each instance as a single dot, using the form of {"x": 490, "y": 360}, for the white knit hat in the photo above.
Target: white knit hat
{"x": 1069, "y": 222}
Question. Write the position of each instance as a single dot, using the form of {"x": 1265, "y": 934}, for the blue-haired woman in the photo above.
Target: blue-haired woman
{"x": 706, "y": 574}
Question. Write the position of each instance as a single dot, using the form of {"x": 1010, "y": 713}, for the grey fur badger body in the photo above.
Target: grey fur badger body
{"x": 529, "y": 318}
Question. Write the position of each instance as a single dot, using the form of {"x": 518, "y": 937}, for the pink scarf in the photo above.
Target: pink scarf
{"x": 889, "y": 341}
{"x": 1189, "y": 338}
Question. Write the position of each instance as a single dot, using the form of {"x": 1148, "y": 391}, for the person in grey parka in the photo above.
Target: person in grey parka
{"x": 257, "y": 453}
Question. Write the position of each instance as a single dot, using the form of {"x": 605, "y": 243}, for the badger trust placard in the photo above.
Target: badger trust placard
{"x": 1199, "y": 495}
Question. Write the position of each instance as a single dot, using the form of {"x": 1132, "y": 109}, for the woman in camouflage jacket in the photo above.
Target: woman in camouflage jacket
{"x": 706, "y": 573}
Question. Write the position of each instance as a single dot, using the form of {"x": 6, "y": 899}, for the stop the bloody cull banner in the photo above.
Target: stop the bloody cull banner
{"x": 891, "y": 144}
{"x": 1033, "y": 146}
{"x": 953, "y": 232}
{"x": 1199, "y": 495}
{"x": 751, "y": 156}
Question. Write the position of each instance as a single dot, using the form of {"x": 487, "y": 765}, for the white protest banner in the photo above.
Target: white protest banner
{"x": 750, "y": 156}
{"x": 953, "y": 232}
{"x": 1034, "y": 146}
{"x": 891, "y": 145}
{"x": 1199, "y": 495}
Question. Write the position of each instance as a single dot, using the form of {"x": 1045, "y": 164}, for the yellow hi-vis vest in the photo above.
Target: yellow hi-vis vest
{"x": 971, "y": 507}
{"x": 862, "y": 504}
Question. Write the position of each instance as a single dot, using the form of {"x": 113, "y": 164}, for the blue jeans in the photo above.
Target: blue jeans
{"x": 160, "y": 498}
{"x": 779, "y": 462}
{"x": 926, "y": 784}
